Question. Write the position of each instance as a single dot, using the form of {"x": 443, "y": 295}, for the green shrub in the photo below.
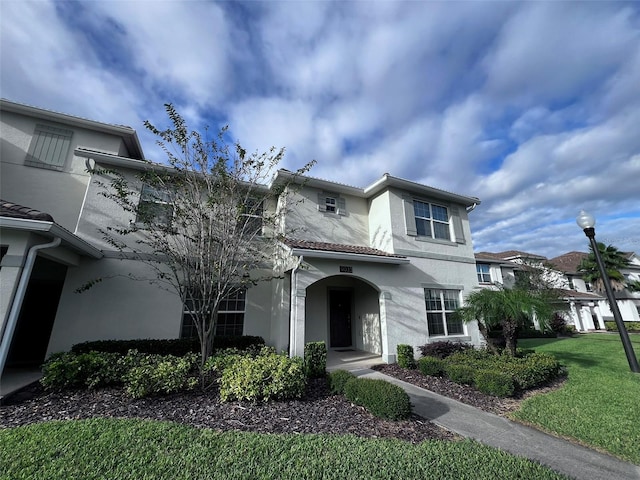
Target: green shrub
{"x": 266, "y": 377}
{"x": 533, "y": 370}
{"x": 405, "y": 356}
{"x": 315, "y": 359}
{"x": 460, "y": 373}
{"x": 177, "y": 347}
{"x": 630, "y": 326}
{"x": 494, "y": 382}
{"x": 381, "y": 398}
{"x": 443, "y": 349}
{"x": 86, "y": 370}
{"x": 338, "y": 379}
{"x": 154, "y": 374}
{"x": 432, "y": 366}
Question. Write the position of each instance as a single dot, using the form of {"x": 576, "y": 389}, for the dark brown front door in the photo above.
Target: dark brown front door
{"x": 340, "y": 318}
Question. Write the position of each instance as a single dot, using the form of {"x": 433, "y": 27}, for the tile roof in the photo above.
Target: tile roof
{"x": 337, "y": 247}
{"x": 568, "y": 262}
{"x": 575, "y": 294}
{"x": 509, "y": 254}
{"x": 13, "y": 210}
{"x": 489, "y": 256}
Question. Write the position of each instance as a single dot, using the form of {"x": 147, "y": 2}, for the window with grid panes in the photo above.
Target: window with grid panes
{"x": 230, "y": 317}
{"x": 484, "y": 273}
{"x": 431, "y": 220}
{"x": 155, "y": 206}
{"x": 441, "y": 305}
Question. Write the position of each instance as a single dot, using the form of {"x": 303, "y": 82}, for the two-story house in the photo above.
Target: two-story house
{"x": 367, "y": 268}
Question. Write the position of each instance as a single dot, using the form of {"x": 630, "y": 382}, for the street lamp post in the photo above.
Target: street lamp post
{"x": 587, "y": 222}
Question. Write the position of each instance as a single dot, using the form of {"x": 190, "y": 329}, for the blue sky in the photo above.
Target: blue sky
{"x": 532, "y": 107}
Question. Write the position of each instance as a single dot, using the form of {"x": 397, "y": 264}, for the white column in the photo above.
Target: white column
{"x": 577, "y": 321}
{"x": 387, "y": 356}
{"x": 297, "y": 322}
{"x": 596, "y": 310}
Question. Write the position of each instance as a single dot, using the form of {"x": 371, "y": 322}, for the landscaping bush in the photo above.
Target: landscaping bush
{"x": 87, "y": 370}
{"x": 381, "y": 398}
{"x": 177, "y": 347}
{"x": 405, "y": 356}
{"x": 338, "y": 379}
{"x": 432, "y": 366}
{"x": 266, "y": 377}
{"x": 154, "y": 374}
{"x": 443, "y": 349}
{"x": 557, "y": 324}
{"x": 315, "y": 359}
{"x": 494, "y": 382}
{"x": 630, "y": 326}
{"x": 533, "y": 370}
{"x": 460, "y": 373}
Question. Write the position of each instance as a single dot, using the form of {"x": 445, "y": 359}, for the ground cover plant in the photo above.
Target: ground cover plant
{"x": 124, "y": 449}
{"x": 598, "y": 405}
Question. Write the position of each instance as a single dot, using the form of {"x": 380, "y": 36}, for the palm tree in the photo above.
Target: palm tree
{"x": 613, "y": 260}
{"x": 506, "y": 308}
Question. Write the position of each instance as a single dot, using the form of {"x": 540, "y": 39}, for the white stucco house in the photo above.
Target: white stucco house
{"x": 583, "y": 308}
{"x": 369, "y": 268}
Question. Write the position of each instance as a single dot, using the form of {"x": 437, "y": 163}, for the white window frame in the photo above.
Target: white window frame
{"x": 255, "y": 215}
{"x": 49, "y": 147}
{"x": 483, "y": 277}
{"x": 332, "y": 203}
{"x": 448, "y": 301}
{"x": 227, "y": 317}
{"x": 152, "y": 195}
{"x": 429, "y": 220}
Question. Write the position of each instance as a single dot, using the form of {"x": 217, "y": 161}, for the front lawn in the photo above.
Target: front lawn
{"x": 125, "y": 449}
{"x": 600, "y": 402}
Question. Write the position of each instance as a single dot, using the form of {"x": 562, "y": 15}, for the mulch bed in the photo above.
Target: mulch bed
{"x": 318, "y": 412}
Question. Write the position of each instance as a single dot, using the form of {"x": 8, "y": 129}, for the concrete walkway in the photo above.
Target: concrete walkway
{"x": 560, "y": 455}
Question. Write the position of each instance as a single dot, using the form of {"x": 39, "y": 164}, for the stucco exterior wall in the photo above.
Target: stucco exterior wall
{"x": 380, "y": 225}
{"x": 59, "y": 193}
{"x": 305, "y": 222}
{"x": 116, "y": 308}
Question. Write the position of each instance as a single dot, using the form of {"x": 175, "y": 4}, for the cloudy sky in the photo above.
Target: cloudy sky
{"x": 532, "y": 107}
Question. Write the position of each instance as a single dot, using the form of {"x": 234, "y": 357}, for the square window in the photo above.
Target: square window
{"x": 431, "y": 220}
{"x": 483, "y": 272}
{"x": 330, "y": 204}
{"x": 155, "y": 206}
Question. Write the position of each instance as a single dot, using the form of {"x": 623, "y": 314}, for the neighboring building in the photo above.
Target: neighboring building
{"x": 581, "y": 307}
{"x": 369, "y": 268}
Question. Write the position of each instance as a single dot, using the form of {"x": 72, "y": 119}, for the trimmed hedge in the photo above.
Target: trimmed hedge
{"x": 338, "y": 379}
{"x": 443, "y": 349}
{"x": 381, "y": 398}
{"x": 177, "y": 347}
{"x": 406, "y": 357}
{"x": 460, "y": 373}
{"x": 86, "y": 370}
{"x": 155, "y": 374}
{"x": 432, "y": 366}
{"x": 494, "y": 382}
{"x": 630, "y": 326}
{"x": 267, "y": 377}
{"x": 315, "y": 359}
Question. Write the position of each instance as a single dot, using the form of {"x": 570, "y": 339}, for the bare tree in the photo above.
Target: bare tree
{"x": 208, "y": 223}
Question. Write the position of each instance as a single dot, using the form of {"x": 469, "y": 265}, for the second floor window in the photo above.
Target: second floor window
{"x": 330, "y": 204}
{"x": 251, "y": 218}
{"x": 155, "y": 206}
{"x": 431, "y": 220}
{"x": 484, "y": 274}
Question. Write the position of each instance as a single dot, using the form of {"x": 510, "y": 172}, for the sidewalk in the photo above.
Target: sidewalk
{"x": 560, "y": 455}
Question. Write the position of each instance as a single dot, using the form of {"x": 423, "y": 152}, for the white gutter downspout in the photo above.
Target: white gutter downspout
{"x": 16, "y": 305}
{"x": 293, "y": 308}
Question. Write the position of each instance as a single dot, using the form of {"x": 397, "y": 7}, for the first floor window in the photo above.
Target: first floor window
{"x": 441, "y": 305}
{"x": 484, "y": 274}
{"x": 230, "y": 317}
{"x": 431, "y": 220}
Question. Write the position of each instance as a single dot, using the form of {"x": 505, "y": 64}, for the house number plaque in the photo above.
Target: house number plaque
{"x": 344, "y": 269}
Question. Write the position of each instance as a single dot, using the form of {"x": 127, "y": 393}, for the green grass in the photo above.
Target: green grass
{"x": 600, "y": 403}
{"x": 143, "y": 449}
